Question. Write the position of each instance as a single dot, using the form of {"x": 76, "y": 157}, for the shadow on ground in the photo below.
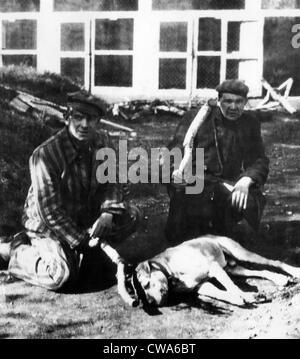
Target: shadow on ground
{"x": 97, "y": 273}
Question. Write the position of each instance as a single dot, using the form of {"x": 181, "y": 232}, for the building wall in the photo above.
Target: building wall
{"x": 281, "y": 58}
{"x": 128, "y": 49}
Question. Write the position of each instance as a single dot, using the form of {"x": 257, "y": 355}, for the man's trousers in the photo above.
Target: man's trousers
{"x": 51, "y": 264}
{"x": 209, "y": 212}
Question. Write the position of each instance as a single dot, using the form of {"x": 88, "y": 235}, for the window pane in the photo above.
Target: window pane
{"x": 209, "y": 37}
{"x": 114, "y": 35}
{"x": 19, "y": 5}
{"x": 233, "y": 36}
{"x": 172, "y": 73}
{"x": 95, "y": 5}
{"x": 73, "y": 68}
{"x": 280, "y": 4}
{"x": 208, "y": 71}
{"x": 113, "y": 70}
{"x": 72, "y": 37}
{"x": 232, "y": 69}
{"x": 197, "y": 4}
{"x": 19, "y": 34}
{"x": 27, "y": 60}
{"x": 173, "y": 36}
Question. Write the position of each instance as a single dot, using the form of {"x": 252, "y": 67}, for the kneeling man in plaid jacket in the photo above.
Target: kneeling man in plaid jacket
{"x": 65, "y": 201}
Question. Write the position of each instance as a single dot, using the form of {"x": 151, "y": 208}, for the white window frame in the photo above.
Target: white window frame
{"x": 12, "y": 17}
{"x": 115, "y": 15}
{"x": 192, "y": 18}
{"x": 175, "y": 55}
{"x": 225, "y": 18}
{"x": 75, "y": 19}
{"x": 145, "y": 45}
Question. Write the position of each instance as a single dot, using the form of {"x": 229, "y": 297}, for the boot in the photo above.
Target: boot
{"x": 9, "y": 244}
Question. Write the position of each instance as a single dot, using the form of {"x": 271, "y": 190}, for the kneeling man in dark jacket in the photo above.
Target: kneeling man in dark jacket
{"x": 235, "y": 169}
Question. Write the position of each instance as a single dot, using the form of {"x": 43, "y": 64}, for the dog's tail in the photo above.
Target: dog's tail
{"x": 238, "y": 252}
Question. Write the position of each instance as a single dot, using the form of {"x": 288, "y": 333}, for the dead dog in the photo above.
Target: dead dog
{"x": 191, "y": 265}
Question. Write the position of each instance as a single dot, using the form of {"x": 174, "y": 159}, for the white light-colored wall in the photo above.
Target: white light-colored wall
{"x": 146, "y": 46}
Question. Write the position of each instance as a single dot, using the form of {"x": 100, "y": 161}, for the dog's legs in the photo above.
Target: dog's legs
{"x": 121, "y": 277}
{"x": 242, "y": 254}
{"x": 110, "y": 252}
{"x": 276, "y": 278}
{"x": 121, "y": 280}
{"x": 209, "y": 290}
{"x": 237, "y": 296}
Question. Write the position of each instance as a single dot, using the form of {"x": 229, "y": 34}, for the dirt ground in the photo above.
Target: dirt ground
{"x": 96, "y": 311}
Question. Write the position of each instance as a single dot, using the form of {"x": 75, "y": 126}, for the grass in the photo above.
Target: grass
{"x": 46, "y": 85}
{"x": 287, "y": 131}
{"x": 20, "y": 134}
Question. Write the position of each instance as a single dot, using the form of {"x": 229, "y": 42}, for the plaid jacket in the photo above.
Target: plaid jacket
{"x": 232, "y": 149}
{"x": 64, "y": 198}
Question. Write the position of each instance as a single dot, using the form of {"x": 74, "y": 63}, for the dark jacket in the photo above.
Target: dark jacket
{"x": 232, "y": 149}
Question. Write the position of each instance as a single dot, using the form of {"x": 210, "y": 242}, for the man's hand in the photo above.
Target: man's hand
{"x": 178, "y": 179}
{"x": 240, "y": 193}
{"x": 102, "y": 227}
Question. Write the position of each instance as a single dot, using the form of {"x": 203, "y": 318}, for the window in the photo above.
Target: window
{"x": 173, "y": 55}
{"x": 113, "y": 70}
{"x": 233, "y": 56}
{"x": 209, "y": 35}
{"x": 95, "y": 5}
{"x": 19, "y": 42}
{"x": 26, "y": 60}
{"x": 232, "y": 69}
{"x": 72, "y": 37}
{"x": 114, "y": 52}
{"x": 209, "y": 52}
{"x": 172, "y": 73}
{"x": 197, "y": 4}
{"x": 173, "y": 36}
{"x": 72, "y": 45}
{"x": 242, "y": 50}
{"x": 19, "y": 5}
{"x": 280, "y": 4}
{"x": 19, "y": 34}
{"x": 114, "y": 35}
{"x": 208, "y": 71}
{"x": 233, "y": 36}
{"x": 73, "y": 68}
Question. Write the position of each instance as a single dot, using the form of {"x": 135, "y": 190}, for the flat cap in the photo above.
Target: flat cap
{"x": 236, "y": 87}
{"x": 86, "y": 103}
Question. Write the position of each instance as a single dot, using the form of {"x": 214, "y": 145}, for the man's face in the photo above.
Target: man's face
{"x": 81, "y": 125}
{"x": 232, "y": 106}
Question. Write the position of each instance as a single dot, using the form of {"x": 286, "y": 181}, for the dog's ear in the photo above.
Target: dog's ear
{"x": 143, "y": 273}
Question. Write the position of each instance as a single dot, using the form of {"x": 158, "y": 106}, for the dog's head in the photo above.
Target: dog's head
{"x": 154, "y": 283}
